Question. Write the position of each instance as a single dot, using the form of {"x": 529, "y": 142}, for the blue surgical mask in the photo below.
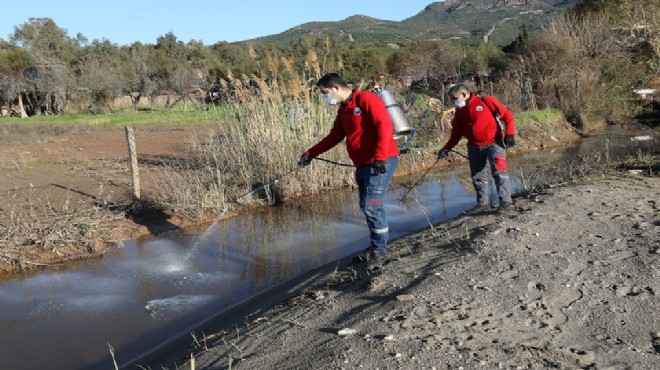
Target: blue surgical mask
{"x": 459, "y": 103}
{"x": 328, "y": 99}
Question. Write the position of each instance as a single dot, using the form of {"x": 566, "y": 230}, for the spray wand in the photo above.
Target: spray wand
{"x": 425, "y": 173}
{"x": 264, "y": 186}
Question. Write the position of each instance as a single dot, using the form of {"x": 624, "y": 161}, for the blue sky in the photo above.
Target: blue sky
{"x": 123, "y": 22}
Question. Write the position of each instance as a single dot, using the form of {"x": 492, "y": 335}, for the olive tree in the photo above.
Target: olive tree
{"x": 14, "y": 61}
{"x": 52, "y": 52}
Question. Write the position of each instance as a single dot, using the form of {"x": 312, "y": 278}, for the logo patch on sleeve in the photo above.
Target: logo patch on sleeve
{"x": 357, "y": 112}
{"x": 479, "y": 108}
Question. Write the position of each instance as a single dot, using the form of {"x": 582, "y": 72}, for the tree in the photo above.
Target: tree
{"x": 102, "y": 78}
{"x": 14, "y": 61}
{"x": 44, "y": 40}
{"x": 100, "y": 74}
{"x": 360, "y": 63}
{"x": 427, "y": 58}
{"x": 53, "y": 52}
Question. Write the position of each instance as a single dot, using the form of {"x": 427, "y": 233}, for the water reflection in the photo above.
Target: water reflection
{"x": 153, "y": 288}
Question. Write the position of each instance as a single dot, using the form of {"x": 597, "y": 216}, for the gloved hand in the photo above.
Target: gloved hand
{"x": 379, "y": 167}
{"x": 304, "y": 160}
{"x": 509, "y": 141}
{"x": 444, "y": 153}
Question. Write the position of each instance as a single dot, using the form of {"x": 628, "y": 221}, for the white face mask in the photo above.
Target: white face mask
{"x": 328, "y": 99}
{"x": 459, "y": 103}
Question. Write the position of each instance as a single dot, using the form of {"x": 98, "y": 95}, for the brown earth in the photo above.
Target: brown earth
{"x": 78, "y": 170}
{"x": 75, "y": 161}
{"x": 568, "y": 280}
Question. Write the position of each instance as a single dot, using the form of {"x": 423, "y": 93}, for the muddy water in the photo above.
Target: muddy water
{"x": 139, "y": 295}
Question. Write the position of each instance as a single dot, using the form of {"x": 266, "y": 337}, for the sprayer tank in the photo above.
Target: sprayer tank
{"x": 401, "y": 126}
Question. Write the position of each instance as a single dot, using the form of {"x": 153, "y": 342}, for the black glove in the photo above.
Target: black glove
{"x": 379, "y": 167}
{"x": 304, "y": 160}
{"x": 444, "y": 153}
{"x": 509, "y": 141}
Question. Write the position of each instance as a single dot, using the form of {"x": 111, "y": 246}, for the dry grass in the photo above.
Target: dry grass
{"x": 255, "y": 146}
{"x": 35, "y": 232}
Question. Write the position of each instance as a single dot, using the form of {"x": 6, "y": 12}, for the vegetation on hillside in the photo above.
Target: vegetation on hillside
{"x": 453, "y": 19}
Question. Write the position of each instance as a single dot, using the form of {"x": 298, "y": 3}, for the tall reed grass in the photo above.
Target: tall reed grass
{"x": 256, "y": 144}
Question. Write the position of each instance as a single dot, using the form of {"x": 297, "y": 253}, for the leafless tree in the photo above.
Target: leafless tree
{"x": 102, "y": 79}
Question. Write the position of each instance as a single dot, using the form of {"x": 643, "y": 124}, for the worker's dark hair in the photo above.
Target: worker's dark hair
{"x": 330, "y": 80}
{"x": 458, "y": 89}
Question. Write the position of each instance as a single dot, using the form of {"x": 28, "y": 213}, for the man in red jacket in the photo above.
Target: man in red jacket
{"x": 486, "y": 141}
{"x": 364, "y": 122}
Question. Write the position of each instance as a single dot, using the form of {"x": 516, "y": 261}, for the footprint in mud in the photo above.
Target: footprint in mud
{"x": 563, "y": 301}
{"x": 632, "y": 290}
{"x": 509, "y": 272}
{"x": 489, "y": 325}
{"x": 584, "y": 358}
{"x": 656, "y": 342}
{"x": 539, "y": 315}
{"x": 574, "y": 269}
{"x": 535, "y": 290}
{"x": 546, "y": 311}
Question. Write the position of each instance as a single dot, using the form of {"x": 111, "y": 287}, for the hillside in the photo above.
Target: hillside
{"x": 451, "y": 19}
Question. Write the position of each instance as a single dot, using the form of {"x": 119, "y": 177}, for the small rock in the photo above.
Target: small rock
{"x": 374, "y": 284}
{"x": 346, "y": 332}
{"x": 405, "y": 297}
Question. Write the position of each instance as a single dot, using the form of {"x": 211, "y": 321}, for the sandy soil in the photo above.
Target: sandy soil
{"x": 569, "y": 280}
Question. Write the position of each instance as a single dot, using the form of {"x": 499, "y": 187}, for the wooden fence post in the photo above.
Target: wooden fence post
{"x": 132, "y": 156}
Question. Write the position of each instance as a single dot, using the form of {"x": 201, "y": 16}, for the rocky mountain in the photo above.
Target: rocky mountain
{"x": 495, "y": 20}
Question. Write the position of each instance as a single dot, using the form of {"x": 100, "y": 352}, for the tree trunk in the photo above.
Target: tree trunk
{"x": 135, "y": 100}
{"x": 21, "y": 108}
{"x": 181, "y": 97}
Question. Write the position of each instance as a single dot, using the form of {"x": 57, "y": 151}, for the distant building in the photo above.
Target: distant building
{"x": 645, "y": 94}
{"x": 648, "y": 90}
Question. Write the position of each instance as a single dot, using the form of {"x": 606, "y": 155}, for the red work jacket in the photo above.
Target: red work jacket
{"x": 476, "y": 123}
{"x": 367, "y": 128}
